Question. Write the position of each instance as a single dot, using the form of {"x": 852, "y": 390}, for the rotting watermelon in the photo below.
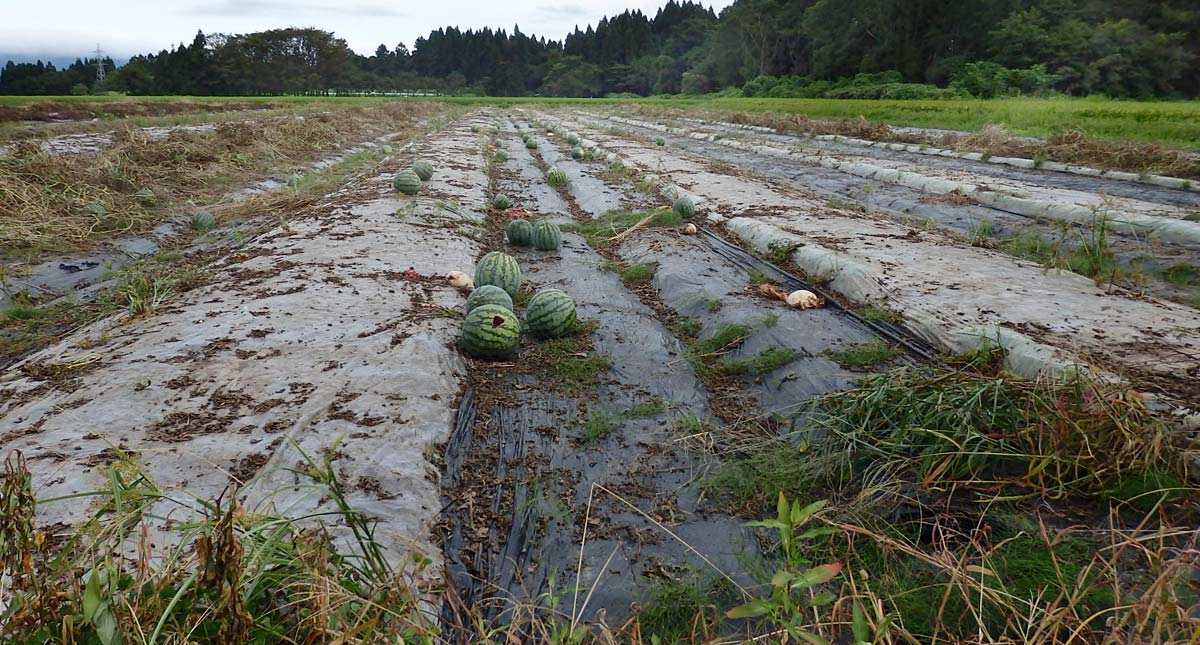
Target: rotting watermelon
{"x": 491, "y": 331}
{"x": 489, "y": 294}
{"x": 546, "y": 236}
{"x": 499, "y": 269}
{"x": 519, "y": 232}
{"x": 550, "y": 313}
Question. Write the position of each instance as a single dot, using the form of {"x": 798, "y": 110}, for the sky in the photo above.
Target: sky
{"x": 66, "y": 29}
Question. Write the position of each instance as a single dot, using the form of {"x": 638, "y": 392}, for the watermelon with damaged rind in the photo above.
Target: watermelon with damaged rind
{"x": 489, "y": 294}
{"x": 550, "y": 314}
{"x": 546, "y": 236}
{"x": 407, "y": 182}
{"x": 423, "y": 168}
{"x": 684, "y": 207}
{"x": 519, "y": 232}
{"x": 502, "y": 202}
{"x": 499, "y": 269}
{"x": 491, "y": 331}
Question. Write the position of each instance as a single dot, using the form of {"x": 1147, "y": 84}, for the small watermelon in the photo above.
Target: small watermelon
{"x": 546, "y": 236}
{"x": 573, "y": 139}
{"x": 684, "y": 207}
{"x": 491, "y": 331}
{"x": 531, "y": 144}
{"x": 423, "y": 168}
{"x": 501, "y": 201}
{"x": 407, "y": 182}
{"x": 489, "y": 294}
{"x": 551, "y": 313}
{"x": 556, "y": 177}
{"x": 501, "y": 270}
{"x": 203, "y": 221}
{"x": 501, "y": 156}
{"x": 577, "y": 153}
{"x": 519, "y": 232}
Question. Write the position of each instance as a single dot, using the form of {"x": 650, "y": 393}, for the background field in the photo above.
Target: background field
{"x": 1170, "y": 123}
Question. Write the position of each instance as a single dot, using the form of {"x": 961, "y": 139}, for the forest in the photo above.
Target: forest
{"x": 896, "y": 49}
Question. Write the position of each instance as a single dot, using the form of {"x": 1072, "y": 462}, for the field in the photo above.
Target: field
{"x": 829, "y": 381}
{"x": 1170, "y": 123}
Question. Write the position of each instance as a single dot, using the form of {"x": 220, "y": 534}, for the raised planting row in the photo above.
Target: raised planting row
{"x": 898, "y": 468}
{"x": 945, "y": 289}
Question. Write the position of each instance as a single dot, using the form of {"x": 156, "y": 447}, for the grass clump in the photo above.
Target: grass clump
{"x": 1146, "y": 489}
{"x": 598, "y": 426}
{"x": 600, "y": 231}
{"x": 757, "y": 277}
{"x": 1054, "y": 436}
{"x": 876, "y": 313}
{"x": 865, "y": 354}
{"x": 780, "y": 253}
{"x": 768, "y": 360}
{"x": 754, "y": 480}
{"x": 685, "y": 328}
{"x": 633, "y": 275}
{"x": 648, "y": 409}
{"x": 677, "y": 610}
{"x": 232, "y": 575}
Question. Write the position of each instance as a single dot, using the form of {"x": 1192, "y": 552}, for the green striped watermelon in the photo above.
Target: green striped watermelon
{"x": 489, "y": 294}
{"x": 203, "y": 221}
{"x": 499, "y": 269}
{"x": 423, "y": 168}
{"x": 519, "y": 232}
{"x": 491, "y": 331}
{"x": 501, "y": 201}
{"x": 684, "y": 207}
{"x": 531, "y": 144}
{"x": 573, "y": 139}
{"x": 407, "y": 182}
{"x": 551, "y": 313}
{"x": 577, "y": 153}
{"x": 556, "y": 177}
{"x": 546, "y": 236}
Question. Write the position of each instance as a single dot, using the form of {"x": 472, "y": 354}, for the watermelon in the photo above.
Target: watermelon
{"x": 531, "y": 144}
{"x": 684, "y": 207}
{"x": 546, "y": 236}
{"x": 489, "y": 294}
{"x": 577, "y": 153}
{"x": 501, "y": 156}
{"x": 556, "y": 177}
{"x": 499, "y": 269}
{"x": 551, "y": 313}
{"x": 203, "y": 221}
{"x": 573, "y": 139}
{"x": 491, "y": 331}
{"x": 519, "y": 232}
{"x": 407, "y": 182}
{"x": 423, "y": 168}
{"x": 501, "y": 201}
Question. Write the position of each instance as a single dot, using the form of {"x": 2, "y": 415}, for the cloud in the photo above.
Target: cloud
{"x": 563, "y": 11}
{"x": 279, "y": 8}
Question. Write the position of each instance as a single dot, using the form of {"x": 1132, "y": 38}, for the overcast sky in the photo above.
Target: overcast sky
{"x": 70, "y": 28}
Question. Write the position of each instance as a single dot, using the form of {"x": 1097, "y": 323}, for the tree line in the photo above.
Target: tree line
{"x": 831, "y": 48}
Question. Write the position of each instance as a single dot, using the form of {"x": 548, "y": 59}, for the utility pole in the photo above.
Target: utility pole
{"x": 99, "y": 65}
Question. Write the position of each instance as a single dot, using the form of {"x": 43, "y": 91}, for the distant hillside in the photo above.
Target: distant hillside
{"x": 818, "y": 48}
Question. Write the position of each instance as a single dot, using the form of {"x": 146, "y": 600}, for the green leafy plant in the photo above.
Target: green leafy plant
{"x": 788, "y": 606}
